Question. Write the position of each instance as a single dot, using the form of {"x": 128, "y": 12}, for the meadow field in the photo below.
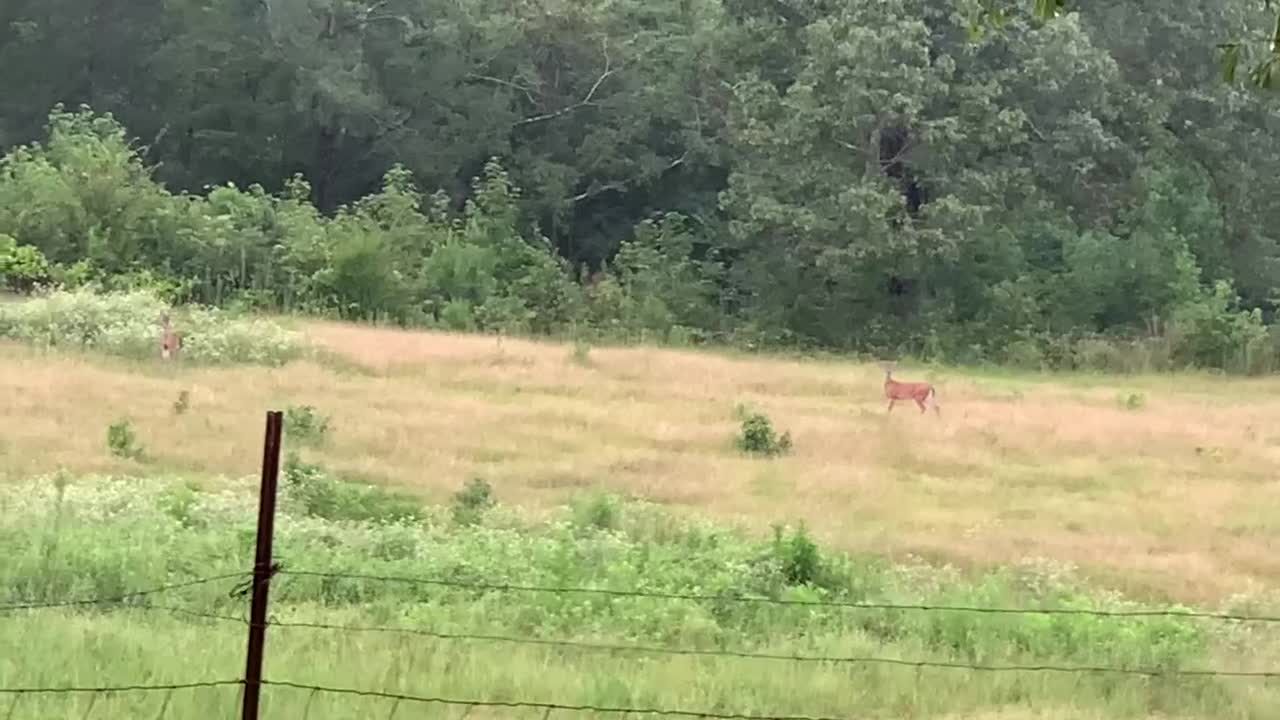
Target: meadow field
{"x": 617, "y": 468}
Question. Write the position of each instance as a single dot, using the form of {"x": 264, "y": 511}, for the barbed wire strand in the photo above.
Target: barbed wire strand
{"x": 200, "y": 614}
{"x": 98, "y": 690}
{"x": 547, "y": 706}
{"x": 835, "y": 660}
{"x": 504, "y": 587}
{"x": 120, "y": 599}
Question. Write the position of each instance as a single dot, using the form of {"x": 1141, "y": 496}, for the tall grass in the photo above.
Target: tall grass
{"x": 103, "y": 537}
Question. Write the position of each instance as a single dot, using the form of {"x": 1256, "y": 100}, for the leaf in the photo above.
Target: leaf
{"x": 1264, "y": 74}
{"x": 1049, "y": 9}
{"x": 1230, "y": 61}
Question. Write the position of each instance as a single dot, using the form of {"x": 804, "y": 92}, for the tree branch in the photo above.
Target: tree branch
{"x": 621, "y": 185}
{"x": 584, "y": 102}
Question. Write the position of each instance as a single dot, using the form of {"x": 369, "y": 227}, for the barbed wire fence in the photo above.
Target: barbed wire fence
{"x": 256, "y": 585}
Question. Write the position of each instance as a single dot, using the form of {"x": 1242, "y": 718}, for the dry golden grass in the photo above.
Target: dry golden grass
{"x": 1177, "y": 497}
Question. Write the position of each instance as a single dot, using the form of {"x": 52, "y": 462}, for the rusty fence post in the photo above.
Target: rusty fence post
{"x": 262, "y": 566}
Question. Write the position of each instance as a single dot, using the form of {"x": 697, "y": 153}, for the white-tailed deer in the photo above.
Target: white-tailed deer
{"x": 922, "y": 394}
{"x": 170, "y": 341}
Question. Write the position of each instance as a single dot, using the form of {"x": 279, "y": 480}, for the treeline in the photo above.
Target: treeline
{"x": 889, "y": 177}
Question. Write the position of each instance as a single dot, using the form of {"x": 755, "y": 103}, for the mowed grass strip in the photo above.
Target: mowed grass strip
{"x": 1154, "y": 484}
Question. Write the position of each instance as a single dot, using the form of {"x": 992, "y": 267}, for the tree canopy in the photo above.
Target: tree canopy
{"x": 1069, "y": 184}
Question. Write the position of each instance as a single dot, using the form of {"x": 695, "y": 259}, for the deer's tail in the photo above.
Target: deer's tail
{"x": 932, "y": 399}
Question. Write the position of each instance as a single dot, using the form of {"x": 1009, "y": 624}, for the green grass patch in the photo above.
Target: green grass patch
{"x": 104, "y": 537}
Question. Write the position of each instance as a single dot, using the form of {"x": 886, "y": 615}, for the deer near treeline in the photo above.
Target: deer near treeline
{"x": 923, "y": 394}
{"x": 170, "y": 340}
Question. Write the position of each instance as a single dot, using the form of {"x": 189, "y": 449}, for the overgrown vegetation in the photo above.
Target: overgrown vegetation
{"x": 1079, "y": 193}
{"x": 128, "y": 324}
{"x": 303, "y": 424}
{"x": 758, "y": 436}
{"x": 320, "y": 494}
{"x": 122, "y": 440}
{"x": 175, "y": 531}
{"x": 473, "y": 501}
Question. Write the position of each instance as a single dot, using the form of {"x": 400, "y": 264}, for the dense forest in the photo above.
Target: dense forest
{"x": 922, "y": 177}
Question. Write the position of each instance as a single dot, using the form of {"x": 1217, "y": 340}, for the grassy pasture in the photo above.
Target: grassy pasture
{"x": 96, "y": 537}
{"x": 1162, "y": 486}
{"x": 1068, "y": 491}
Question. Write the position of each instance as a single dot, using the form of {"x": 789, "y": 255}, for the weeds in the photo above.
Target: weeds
{"x": 472, "y": 502}
{"x": 118, "y": 535}
{"x": 323, "y": 496}
{"x": 798, "y": 556}
{"x": 598, "y": 511}
{"x": 122, "y": 440}
{"x": 303, "y": 424}
{"x": 1132, "y": 401}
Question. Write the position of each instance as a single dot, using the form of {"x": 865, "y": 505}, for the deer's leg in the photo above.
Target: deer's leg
{"x": 920, "y": 404}
{"x": 891, "y": 402}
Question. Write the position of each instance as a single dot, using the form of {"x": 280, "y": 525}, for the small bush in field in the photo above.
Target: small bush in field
{"x": 122, "y": 441}
{"x": 304, "y": 424}
{"x": 599, "y": 511}
{"x": 183, "y": 403}
{"x": 758, "y": 437}
{"x": 472, "y": 501}
{"x": 1132, "y": 401}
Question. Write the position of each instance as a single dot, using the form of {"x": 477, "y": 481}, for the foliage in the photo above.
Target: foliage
{"x": 22, "y": 267}
{"x": 472, "y": 502}
{"x": 895, "y": 179}
{"x": 758, "y": 437}
{"x": 319, "y": 494}
{"x": 127, "y": 324}
{"x": 1132, "y": 401}
{"x": 798, "y": 557}
{"x": 117, "y": 535}
{"x": 303, "y": 424}
{"x": 122, "y": 440}
{"x": 597, "y": 511}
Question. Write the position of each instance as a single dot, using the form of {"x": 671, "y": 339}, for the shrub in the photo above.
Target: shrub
{"x": 599, "y": 511}
{"x": 22, "y": 267}
{"x": 798, "y": 555}
{"x": 759, "y": 438}
{"x": 1132, "y": 401}
{"x": 122, "y": 441}
{"x": 472, "y": 501}
{"x": 324, "y": 496}
{"x": 304, "y": 424}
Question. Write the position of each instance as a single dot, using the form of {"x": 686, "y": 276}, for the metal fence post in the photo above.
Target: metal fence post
{"x": 262, "y": 567}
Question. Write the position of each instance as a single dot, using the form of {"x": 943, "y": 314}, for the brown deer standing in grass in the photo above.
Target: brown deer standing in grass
{"x": 922, "y": 394}
{"x": 170, "y": 341}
